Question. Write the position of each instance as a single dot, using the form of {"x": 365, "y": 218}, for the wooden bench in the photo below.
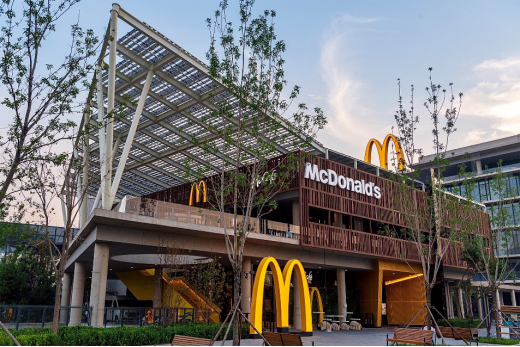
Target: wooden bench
{"x": 411, "y": 336}
{"x": 468, "y": 334}
{"x": 445, "y": 331}
{"x": 284, "y": 339}
{"x": 180, "y": 340}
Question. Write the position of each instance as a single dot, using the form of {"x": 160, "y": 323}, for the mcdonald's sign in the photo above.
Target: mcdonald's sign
{"x": 196, "y": 189}
{"x": 382, "y": 150}
{"x": 282, "y": 285}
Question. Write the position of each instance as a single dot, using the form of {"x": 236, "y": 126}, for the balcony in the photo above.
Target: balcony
{"x": 195, "y": 215}
{"x": 325, "y": 236}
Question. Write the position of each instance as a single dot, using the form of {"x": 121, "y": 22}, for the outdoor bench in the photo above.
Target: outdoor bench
{"x": 284, "y": 339}
{"x": 468, "y": 334}
{"x": 180, "y": 340}
{"x": 411, "y": 336}
{"x": 445, "y": 332}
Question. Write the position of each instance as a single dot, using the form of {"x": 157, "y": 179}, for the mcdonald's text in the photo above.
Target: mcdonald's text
{"x": 331, "y": 178}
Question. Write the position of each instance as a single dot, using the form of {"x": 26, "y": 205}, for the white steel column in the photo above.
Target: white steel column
{"x": 78, "y": 288}
{"x": 246, "y": 286}
{"x": 460, "y": 297}
{"x": 130, "y": 136}
{"x": 342, "y": 293}
{"x": 513, "y": 297}
{"x": 297, "y": 318}
{"x": 101, "y": 133}
{"x": 65, "y": 295}
{"x": 99, "y": 283}
{"x": 83, "y": 211}
{"x": 109, "y": 137}
{"x": 98, "y": 195}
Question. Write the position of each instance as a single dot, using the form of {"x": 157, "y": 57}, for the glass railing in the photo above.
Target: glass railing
{"x": 195, "y": 215}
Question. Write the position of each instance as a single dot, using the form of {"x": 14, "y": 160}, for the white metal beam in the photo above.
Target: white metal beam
{"x": 131, "y": 134}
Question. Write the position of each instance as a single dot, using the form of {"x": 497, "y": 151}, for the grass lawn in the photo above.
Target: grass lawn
{"x": 498, "y": 342}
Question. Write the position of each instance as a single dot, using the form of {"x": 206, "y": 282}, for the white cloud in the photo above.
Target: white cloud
{"x": 346, "y": 112}
{"x": 497, "y": 96}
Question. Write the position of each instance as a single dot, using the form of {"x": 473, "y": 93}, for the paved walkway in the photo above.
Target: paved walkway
{"x": 365, "y": 337}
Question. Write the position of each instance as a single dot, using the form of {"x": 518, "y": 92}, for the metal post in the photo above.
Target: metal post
{"x": 107, "y": 198}
{"x": 122, "y": 318}
{"x": 43, "y": 316}
{"x": 83, "y": 212}
{"x": 18, "y": 317}
{"x": 130, "y": 136}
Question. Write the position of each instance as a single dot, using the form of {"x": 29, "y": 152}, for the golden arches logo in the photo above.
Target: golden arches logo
{"x": 282, "y": 285}
{"x": 195, "y": 191}
{"x": 382, "y": 151}
{"x": 314, "y": 291}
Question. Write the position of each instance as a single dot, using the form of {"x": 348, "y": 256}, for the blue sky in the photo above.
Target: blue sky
{"x": 347, "y": 56}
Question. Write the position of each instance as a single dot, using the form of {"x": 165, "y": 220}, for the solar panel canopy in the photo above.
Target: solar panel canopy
{"x": 174, "y": 123}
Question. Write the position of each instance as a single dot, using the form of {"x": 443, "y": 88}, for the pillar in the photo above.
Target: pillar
{"x": 297, "y": 318}
{"x": 478, "y": 165}
{"x": 500, "y": 300}
{"x": 157, "y": 287}
{"x": 99, "y": 283}
{"x": 65, "y": 296}
{"x": 78, "y": 289}
{"x": 246, "y": 286}
{"x": 342, "y": 293}
{"x": 447, "y": 299}
{"x": 513, "y": 297}
{"x": 460, "y": 298}
{"x": 296, "y": 212}
{"x": 479, "y": 308}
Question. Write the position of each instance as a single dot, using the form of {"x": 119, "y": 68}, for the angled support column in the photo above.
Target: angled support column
{"x": 109, "y": 137}
{"x": 98, "y": 195}
{"x": 83, "y": 211}
{"x": 99, "y": 283}
{"x": 130, "y": 136}
{"x": 101, "y": 133}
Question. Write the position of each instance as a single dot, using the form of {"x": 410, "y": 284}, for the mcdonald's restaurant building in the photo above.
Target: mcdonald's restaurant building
{"x": 329, "y": 218}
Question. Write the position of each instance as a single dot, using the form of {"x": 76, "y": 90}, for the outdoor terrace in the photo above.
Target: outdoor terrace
{"x": 196, "y": 215}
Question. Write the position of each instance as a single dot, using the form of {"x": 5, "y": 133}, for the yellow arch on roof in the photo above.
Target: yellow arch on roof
{"x": 282, "y": 285}
{"x": 382, "y": 150}
{"x": 196, "y": 189}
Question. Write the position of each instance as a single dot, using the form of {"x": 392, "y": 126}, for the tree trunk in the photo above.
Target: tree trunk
{"x": 57, "y": 304}
{"x": 237, "y": 278}
{"x": 469, "y": 302}
{"x": 496, "y": 314}
{"x": 429, "y": 303}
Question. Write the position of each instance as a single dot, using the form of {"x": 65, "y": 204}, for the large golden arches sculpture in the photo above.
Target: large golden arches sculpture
{"x": 315, "y": 291}
{"x": 282, "y": 285}
{"x": 382, "y": 151}
{"x": 195, "y": 191}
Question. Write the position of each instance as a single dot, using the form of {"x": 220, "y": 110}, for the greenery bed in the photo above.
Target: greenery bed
{"x": 460, "y": 323}
{"x": 498, "y": 342}
{"x": 118, "y": 336}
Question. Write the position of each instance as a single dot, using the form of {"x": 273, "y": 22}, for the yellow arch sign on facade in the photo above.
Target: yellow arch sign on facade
{"x": 315, "y": 291}
{"x": 382, "y": 151}
{"x": 195, "y": 192}
{"x": 282, "y": 285}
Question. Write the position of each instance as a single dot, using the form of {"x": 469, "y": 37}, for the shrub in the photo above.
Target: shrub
{"x": 117, "y": 336}
{"x": 459, "y": 323}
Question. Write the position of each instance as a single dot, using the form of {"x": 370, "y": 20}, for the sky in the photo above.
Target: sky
{"x": 347, "y": 56}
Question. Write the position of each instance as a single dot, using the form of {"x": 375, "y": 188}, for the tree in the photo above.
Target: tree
{"x": 433, "y": 223}
{"x": 489, "y": 254}
{"x": 40, "y": 95}
{"x": 26, "y": 275}
{"x": 249, "y": 64}
{"x": 208, "y": 278}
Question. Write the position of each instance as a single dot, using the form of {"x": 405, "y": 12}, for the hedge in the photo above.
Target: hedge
{"x": 117, "y": 336}
{"x": 460, "y": 323}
